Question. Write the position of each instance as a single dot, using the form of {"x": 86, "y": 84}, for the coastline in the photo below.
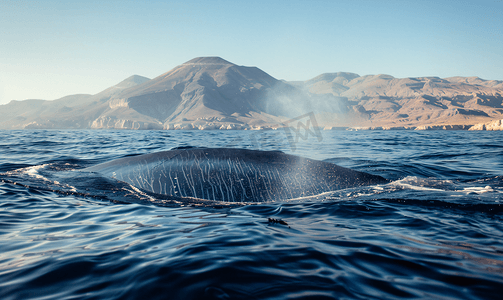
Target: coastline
{"x": 495, "y": 125}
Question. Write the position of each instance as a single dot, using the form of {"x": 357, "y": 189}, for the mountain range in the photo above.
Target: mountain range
{"x": 212, "y": 93}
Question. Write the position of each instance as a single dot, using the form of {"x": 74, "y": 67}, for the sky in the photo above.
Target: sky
{"x": 50, "y": 49}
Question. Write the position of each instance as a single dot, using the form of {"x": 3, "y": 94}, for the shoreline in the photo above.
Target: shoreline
{"x": 496, "y": 125}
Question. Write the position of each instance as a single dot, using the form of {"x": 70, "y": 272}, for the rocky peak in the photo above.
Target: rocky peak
{"x": 132, "y": 81}
{"x": 208, "y": 60}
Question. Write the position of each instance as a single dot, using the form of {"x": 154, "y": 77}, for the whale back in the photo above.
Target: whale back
{"x": 235, "y": 175}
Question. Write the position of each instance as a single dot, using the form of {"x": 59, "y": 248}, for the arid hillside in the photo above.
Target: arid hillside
{"x": 212, "y": 93}
{"x": 382, "y": 100}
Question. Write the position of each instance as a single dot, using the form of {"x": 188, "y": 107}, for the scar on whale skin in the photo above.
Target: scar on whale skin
{"x": 233, "y": 175}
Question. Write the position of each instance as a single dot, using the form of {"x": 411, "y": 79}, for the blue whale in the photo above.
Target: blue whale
{"x": 234, "y": 175}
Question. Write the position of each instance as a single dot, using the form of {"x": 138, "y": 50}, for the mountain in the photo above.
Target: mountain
{"x": 209, "y": 93}
{"x": 212, "y": 93}
{"x": 201, "y": 90}
{"x": 203, "y": 93}
{"x": 74, "y": 111}
{"x": 116, "y": 90}
{"x": 382, "y": 100}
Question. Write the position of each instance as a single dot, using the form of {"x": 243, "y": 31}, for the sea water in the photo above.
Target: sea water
{"x": 434, "y": 231}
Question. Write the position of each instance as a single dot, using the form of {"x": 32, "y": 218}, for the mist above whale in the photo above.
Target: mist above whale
{"x": 233, "y": 175}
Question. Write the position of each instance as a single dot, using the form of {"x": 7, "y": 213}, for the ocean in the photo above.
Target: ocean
{"x": 435, "y": 231}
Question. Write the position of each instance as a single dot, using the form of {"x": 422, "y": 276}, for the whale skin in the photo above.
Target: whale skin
{"x": 234, "y": 175}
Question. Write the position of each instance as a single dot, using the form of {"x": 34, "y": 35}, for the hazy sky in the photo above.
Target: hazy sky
{"x": 50, "y": 49}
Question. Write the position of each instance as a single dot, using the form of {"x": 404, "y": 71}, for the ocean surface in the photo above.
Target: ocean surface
{"x": 434, "y": 232}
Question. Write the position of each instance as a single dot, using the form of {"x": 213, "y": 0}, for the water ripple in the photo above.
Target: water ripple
{"x": 434, "y": 232}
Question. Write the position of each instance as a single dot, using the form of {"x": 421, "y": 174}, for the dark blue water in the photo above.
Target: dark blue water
{"x": 435, "y": 231}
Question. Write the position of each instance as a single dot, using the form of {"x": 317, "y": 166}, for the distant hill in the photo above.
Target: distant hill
{"x": 382, "y": 100}
{"x": 212, "y": 93}
{"x": 74, "y": 111}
